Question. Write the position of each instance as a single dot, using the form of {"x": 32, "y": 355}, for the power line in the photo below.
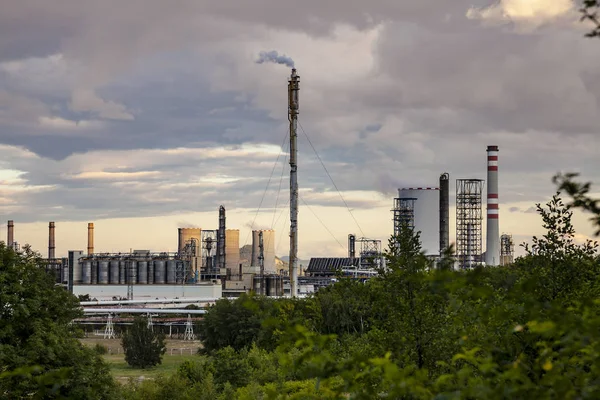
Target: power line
{"x": 332, "y": 181}
{"x": 322, "y": 223}
{"x": 279, "y": 189}
{"x": 266, "y": 189}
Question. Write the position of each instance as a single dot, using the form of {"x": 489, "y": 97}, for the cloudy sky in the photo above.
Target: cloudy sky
{"x": 145, "y": 115}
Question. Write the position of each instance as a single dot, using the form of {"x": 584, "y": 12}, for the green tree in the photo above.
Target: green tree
{"x": 555, "y": 266}
{"x": 414, "y": 298}
{"x": 37, "y": 337}
{"x": 143, "y": 347}
{"x": 235, "y": 323}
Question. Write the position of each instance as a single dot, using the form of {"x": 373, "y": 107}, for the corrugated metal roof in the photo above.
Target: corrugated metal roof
{"x": 330, "y": 264}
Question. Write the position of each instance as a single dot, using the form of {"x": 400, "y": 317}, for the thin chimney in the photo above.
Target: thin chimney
{"x": 90, "y": 246}
{"x": 11, "y": 233}
{"x": 51, "y": 242}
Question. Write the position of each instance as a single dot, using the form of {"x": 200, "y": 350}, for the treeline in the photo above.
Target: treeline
{"x": 528, "y": 330}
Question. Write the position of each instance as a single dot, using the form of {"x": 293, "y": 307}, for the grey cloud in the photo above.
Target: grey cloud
{"x": 493, "y": 80}
{"x": 443, "y": 88}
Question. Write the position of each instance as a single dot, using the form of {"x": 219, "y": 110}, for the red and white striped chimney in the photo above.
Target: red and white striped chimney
{"x": 492, "y": 253}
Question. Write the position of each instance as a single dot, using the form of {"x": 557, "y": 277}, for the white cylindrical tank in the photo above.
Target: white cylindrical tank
{"x": 426, "y": 215}
{"x": 268, "y": 250}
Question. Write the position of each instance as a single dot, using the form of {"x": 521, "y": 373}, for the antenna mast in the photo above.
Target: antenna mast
{"x": 293, "y": 89}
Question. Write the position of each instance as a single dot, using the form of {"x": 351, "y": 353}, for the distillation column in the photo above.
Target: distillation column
{"x": 492, "y": 253}
{"x": 444, "y": 212}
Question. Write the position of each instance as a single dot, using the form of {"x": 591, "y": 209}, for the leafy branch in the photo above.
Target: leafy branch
{"x": 579, "y": 192}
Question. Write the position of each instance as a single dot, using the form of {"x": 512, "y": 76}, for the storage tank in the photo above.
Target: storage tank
{"x": 103, "y": 273}
{"x": 122, "y": 276}
{"x": 150, "y": 272}
{"x": 274, "y": 285}
{"x": 86, "y": 273}
{"x": 171, "y": 271}
{"x": 426, "y": 216}
{"x": 132, "y": 268}
{"x": 114, "y": 272}
{"x": 232, "y": 250}
{"x": 94, "y": 273}
{"x": 159, "y": 272}
{"x": 142, "y": 267}
{"x": 268, "y": 250}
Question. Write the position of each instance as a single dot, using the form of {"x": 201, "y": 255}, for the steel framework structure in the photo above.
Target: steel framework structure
{"x": 468, "y": 222}
{"x": 404, "y": 214}
{"x": 209, "y": 254}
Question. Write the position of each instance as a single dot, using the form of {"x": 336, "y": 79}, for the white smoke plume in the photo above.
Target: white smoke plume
{"x": 274, "y": 57}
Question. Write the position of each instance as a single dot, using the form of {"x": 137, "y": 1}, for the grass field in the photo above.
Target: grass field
{"x": 178, "y": 351}
{"x": 122, "y": 372}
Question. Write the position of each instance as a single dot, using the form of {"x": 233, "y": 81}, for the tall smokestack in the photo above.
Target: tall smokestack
{"x": 444, "y": 212}
{"x": 293, "y": 90}
{"x": 51, "y": 242}
{"x": 11, "y": 233}
{"x": 492, "y": 253}
{"x": 90, "y": 246}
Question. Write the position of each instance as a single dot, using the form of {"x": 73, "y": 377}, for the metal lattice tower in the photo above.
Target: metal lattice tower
{"x": 189, "y": 329}
{"x": 507, "y": 249}
{"x": 109, "y": 330}
{"x": 468, "y": 222}
{"x": 404, "y": 214}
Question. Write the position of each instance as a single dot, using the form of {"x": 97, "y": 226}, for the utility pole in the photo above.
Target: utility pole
{"x": 293, "y": 89}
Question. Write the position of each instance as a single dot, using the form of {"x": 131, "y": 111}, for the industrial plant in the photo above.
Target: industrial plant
{"x": 210, "y": 264}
